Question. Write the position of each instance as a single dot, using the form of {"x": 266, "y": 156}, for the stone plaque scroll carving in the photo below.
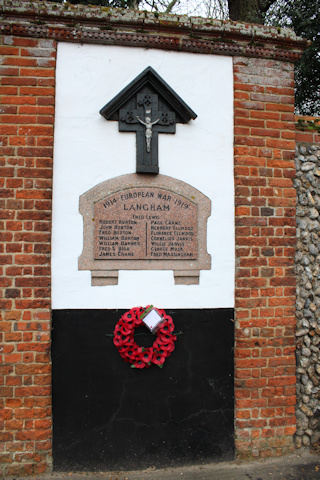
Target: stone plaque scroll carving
{"x": 138, "y": 222}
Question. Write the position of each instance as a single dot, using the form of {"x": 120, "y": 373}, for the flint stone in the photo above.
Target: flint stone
{"x": 305, "y": 236}
{"x": 307, "y": 166}
{"x": 313, "y": 249}
{"x": 308, "y": 388}
{"x": 304, "y": 379}
{"x": 301, "y": 370}
{"x": 302, "y": 223}
{"x": 307, "y": 411}
{"x": 306, "y": 352}
{"x": 300, "y": 211}
{"x": 310, "y": 370}
{"x": 305, "y": 260}
{"x": 314, "y": 349}
{"x": 305, "y": 440}
{"x": 301, "y": 415}
{"x": 313, "y": 213}
{"x": 315, "y": 437}
{"x": 299, "y": 306}
{"x": 307, "y": 341}
{"x": 310, "y": 198}
{"x": 314, "y": 423}
{"x": 303, "y": 149}
{"x": 310, "y": 177}
{"x": 315, "y": 271}
{"x": 304, "y": 362}
{"x": 301, "y": 332}
{"x": 313, "y": 404}
{"x": 309, "y": 273}
{"x": 303, "y": 200}
{"x": 296, "y": 183}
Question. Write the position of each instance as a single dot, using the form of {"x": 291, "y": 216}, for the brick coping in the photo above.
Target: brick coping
{"x": 104, "y": 25}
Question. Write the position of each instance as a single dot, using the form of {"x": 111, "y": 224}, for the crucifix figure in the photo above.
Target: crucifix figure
{"x": 147, "y": 121}
{"x": 148, "y": 124}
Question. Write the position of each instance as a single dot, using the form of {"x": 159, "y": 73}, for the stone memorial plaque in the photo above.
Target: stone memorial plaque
{"x": 145, "y": 223}
{"x": 139, "y": 222}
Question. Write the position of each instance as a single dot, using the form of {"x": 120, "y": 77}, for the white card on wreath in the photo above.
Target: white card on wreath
{"x": 152, "y": 320}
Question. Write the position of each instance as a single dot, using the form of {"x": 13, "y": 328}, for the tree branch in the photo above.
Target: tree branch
{"x": 171, "y": 5}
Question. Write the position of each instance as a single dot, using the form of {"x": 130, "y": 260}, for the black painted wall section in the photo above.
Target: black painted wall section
{"x": 108, "y": 416}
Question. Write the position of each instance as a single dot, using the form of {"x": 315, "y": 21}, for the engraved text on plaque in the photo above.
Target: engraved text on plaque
{"x": 145, "y": 223}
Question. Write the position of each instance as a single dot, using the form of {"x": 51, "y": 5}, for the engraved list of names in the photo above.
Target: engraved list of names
{"x": 145, "y": 223}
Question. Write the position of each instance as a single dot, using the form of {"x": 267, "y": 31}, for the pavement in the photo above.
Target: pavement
{"x": 305, "y": 466}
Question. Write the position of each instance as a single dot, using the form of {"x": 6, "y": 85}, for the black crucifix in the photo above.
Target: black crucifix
{"x": 147, "y": 121}
{"x": 147, "y": 106}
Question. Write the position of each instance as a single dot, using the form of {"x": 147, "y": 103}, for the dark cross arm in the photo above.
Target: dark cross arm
{"x": 147, "y": 123}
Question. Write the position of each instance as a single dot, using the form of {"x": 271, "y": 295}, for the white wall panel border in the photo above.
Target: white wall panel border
{"x": 88, "y": 150}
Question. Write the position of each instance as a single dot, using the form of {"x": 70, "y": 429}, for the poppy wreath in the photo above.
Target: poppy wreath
{"x": 131, "y": 352}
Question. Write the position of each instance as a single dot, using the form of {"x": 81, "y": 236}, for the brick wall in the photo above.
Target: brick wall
{"x": 265, "y": 222}
{"x": 265, "y": 247}
{"x": 26, "y": 130}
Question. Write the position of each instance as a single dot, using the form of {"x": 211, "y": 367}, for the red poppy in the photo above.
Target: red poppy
{"x": 123, "y": 354}
{"x": 171, "y": 347}
{"x": 126, "y": 340}
{"x": 138, "y": 322}
{"x": 158, "y": 359}
{"x": 146, "y": 355}
{"x": 165, "y": 337}
{"x": 125, "y": 330}
{"x": 166, "y": 327}
{"x": 117, "y": 332}
{"x": 139, "y": 362}
{"x": 117, "y": 328}
{"x": 136, "y": 350}
{"x": 117, "y": 340}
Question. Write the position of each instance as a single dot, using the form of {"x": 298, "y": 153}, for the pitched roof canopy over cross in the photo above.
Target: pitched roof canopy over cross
{"x": 148, "y": 106}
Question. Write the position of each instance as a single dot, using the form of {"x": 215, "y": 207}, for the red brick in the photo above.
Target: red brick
{"x": 41, "y": 91}
{"x": 264, "y": 128}
{"x": 9, "y": 71}
{"x": 16, "y": 81}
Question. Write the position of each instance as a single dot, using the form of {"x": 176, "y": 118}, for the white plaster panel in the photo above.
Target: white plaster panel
{"x": 88, "y": 150}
